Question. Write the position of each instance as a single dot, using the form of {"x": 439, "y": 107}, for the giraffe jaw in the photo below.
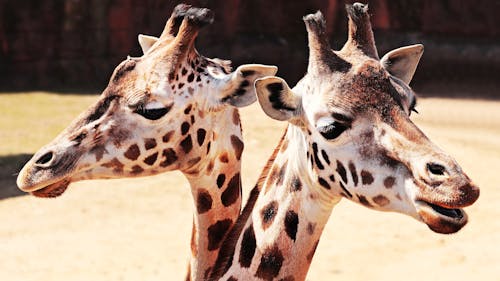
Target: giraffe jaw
{"x": 441, "y": 219}
{"x": 53, "y": 190}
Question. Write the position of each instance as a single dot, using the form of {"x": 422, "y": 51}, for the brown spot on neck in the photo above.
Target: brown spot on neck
{"x": 187, "y": 144}
{"x": 248, "y": 245}
{"x": 268, "y": 213}
{"x": 224, "y": 157}
{"x": 232, "y": 192}
{"x": 270, "y": 263}
{"x": 237, "y": 145}
{"x": 217, "y": 232}
{"x": 310, "y": 228}
{"x": 203, "y": 201}
{"x": 236, "y": 117}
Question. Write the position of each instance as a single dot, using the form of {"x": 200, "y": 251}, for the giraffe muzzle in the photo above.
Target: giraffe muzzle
{"x": 48, "y": 173}
{"x": 441, "y": 193}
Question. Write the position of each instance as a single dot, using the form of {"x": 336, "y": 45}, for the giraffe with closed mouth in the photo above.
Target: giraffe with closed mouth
{"x": 170, "y": 109}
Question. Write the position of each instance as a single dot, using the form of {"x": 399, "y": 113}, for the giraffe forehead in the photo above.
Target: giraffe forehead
{"x": 369, "y": 91}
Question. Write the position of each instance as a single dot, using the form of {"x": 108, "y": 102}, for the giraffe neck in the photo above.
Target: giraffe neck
{"x": 287, "y": 219}
{"x": 216, "y": 189}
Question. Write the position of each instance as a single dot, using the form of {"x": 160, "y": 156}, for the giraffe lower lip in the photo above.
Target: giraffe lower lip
{"x": 53, "y": 190}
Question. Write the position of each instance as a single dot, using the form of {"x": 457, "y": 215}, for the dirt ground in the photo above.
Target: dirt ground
{"x": 139, "y": 229}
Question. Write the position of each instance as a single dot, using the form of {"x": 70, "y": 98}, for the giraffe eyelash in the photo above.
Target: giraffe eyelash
{"x": 413, "y": 106}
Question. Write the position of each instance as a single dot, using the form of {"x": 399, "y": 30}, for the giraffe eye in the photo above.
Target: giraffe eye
{"x": 152, "y": 114}
{"x": 332, "y": 130}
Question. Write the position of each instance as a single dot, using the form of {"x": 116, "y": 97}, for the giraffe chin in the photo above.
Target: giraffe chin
{"x": 441, "y": 219}
{"x": 52, "y": 191}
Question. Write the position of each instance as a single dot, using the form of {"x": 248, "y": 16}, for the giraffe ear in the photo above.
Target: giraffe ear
{"x": 146, "y": 41}
{"x": 238, "y": 89}
{"x": 277, "y": 99}
{"x": 402, "y": 62}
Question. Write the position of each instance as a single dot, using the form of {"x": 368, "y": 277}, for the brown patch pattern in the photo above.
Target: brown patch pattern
{"x": 136, "y": 169}
{"x": 237, "y": 145}
{"x": 200, "y": 136}
{"x": 168, "y": 136}
{"x": 268, "y": 213}
{"x": 185, "y": 128}
{"x": 291, "y": 224}
{"x": 170, "y": 157}
{"x": 203, "y": 201}
{"x": 366, "y": 177}
{"x": 232, "y": 192}
{"x": 187, "y": 144}
{"x": 224, "y": 157}
{"x": 389, "y": 182}
{"x": 115, "y": 164}
{"x": 248, "y": 245}
{"x": 270, "y": 263}
{"x": 132, "y": 152}
{"x": 216, "y": 233}
{"x": 151, "y": 159}
{"x": 296, "y": 184}
{"x": 342, "y": 172}
{"x": 236, "y": 117}
{"x": 149, "y": 144}
{"x": 354, "y": 174}
{"x": 362, "y": 199}
{"x": 310, "y": 228}
{"x": 220, "y": 180}
{"x": 381, "y": 200}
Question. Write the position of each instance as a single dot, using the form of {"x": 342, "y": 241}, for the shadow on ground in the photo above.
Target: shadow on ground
{"x": 10, "y": 165}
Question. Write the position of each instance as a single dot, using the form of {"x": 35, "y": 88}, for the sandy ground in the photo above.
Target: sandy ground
{"x": 139, "y": 229}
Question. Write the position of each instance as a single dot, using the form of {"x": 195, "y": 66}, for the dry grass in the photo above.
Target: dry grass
{"x": 139, "y": 229}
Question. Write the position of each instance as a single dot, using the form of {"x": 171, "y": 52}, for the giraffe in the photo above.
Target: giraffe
{"x": 170, "y": 109}
{"x": 349, "y": 135}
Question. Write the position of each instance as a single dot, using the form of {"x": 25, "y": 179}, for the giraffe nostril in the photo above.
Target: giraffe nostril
{"x": 436, "y": 169}
{"x": 44, "y": 159}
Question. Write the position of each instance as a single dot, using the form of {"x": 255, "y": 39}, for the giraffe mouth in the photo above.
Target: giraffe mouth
{"x": 452, "y": 213}
{"x": 52, "y": 190}
{"x": 441, "y": 219}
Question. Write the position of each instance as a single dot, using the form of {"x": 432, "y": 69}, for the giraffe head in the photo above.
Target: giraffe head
{"x": 166, "y": 110}
{"x": 353, "y": 112}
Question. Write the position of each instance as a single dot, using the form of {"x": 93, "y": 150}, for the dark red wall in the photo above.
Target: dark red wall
{"x": 77, "y": 43}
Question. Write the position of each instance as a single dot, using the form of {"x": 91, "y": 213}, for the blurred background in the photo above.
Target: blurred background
{"x": 75, "y": 44}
